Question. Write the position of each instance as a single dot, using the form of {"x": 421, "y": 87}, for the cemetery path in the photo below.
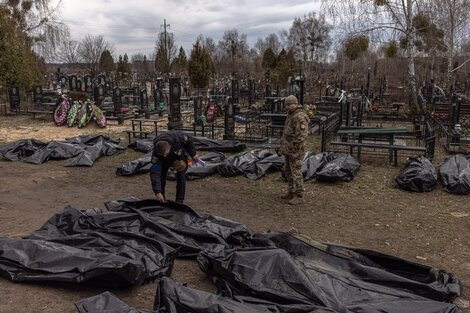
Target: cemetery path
{"x": 370, "y": 212}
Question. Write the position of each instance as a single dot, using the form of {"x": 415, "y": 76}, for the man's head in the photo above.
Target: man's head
{"x": 163, "y": 148}
{"x": 291, "y": 103}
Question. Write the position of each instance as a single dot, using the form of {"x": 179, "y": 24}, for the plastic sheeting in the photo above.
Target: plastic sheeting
{"x": 175, "y": 298}
{"x": 23, "y": 260}
{"x": 253, "y": 164}
{"x": 455, "y": 174}
{"x": 132, "y": 243}
{"x": 285, "y": 274}
{"x": 201, "y": 144}
{"x": 418, "y": 175}
{"x": 340, "y": 167}
{"x": 313, "y": 163}
{"x": 142, "y": 165}
{"x": 281, "y": 269}
{"x": 84, "y": 149}
{"x": 177, "y": 225}
{"x": 106, "y": 302}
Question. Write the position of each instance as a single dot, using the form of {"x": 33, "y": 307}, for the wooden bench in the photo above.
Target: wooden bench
{"x": 137, "y": 133}
{"x": 394, "y": 148}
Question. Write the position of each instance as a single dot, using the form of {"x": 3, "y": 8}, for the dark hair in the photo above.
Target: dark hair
{"x": 161, "y": 147}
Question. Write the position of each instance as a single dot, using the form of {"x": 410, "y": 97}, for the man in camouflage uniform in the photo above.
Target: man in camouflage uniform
{"x": 293, "y": 148}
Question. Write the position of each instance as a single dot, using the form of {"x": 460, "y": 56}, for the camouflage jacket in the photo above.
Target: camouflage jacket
{"x": 295, "y": 132}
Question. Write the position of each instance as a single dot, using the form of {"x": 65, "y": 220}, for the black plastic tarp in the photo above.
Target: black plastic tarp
{"x": 418, "y": 175}
{"x": 313, "y": 163}
{"x": 252, "y": 164}
{"x": 176, "y": 225}
{"x": 455, "y": 174}
{"x": 282, "y": 269}
{"x": 340, "y": 167}
{"x": 132, "y": 243}
{"x": 201, "y": 144}
{"x": 106, "y": 302}
{"x": 105, "y": 232}
{"x": 23, "y": 260}
{"x": 84, "y": 149}
{"x": 175, "y": 298}
{"x": 142, "y": 165}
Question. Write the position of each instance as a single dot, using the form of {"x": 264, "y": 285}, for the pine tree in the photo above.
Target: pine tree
{"x": 199, "y": 66}
{"x": 106, "y": 62}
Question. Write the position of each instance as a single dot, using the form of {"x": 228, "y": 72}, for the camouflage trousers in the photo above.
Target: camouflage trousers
{"x": 293, "y": 174}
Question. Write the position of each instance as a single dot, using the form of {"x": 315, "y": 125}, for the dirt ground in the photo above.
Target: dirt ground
{"x": 370, "y": 212}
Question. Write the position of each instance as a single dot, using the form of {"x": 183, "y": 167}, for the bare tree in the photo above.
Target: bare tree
{"x": 234, "y": 51}
{"x": 67, "y": 52}
{"x": 39, "y": 19}
{"x": 309, "y": 39}
{"x": 90, "y": 50}
{"x": 271, "y": 41}
{"x": 383, "y": 18}
{"x": 453, "y": 17}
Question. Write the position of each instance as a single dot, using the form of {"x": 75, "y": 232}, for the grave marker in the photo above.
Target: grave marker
{"x": 14, "y": 97}
{"x": 88, "y": 81}
{"x": 37, "y": 94}
{"x": 174, "y": 115}
{"x": 73, "y": 83}
{"x": 117, "y": 100}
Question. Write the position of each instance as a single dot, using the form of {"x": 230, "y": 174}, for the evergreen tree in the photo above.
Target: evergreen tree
{"x": 19, "y": 65}
{"x": 199, "y": 66}
{"x": 285, "y": 67}
{"x": 180, "y": 63}
{"x": 127, "y": 64}
{"x": 106, "y": 63}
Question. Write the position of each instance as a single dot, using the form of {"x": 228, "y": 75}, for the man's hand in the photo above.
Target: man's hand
{"x": 160, "y": 197}
{"x": 197, "y": 160}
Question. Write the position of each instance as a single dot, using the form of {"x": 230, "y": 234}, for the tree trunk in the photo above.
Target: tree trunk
{"x": 412, "y": 90}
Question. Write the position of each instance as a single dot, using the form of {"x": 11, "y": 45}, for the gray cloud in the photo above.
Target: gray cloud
{"x": 133, "y": 26}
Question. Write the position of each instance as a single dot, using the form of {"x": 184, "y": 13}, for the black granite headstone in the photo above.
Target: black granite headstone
{"x": 98, "y": 94}
{"x": 251, "y": 91}
{"x": 143, "y": 100}
{"x": 73, "y": 83}
{"x": 88, "y": 81}
{"x": 174, "y": 116}
{"x": 117, "y": 99}
{"x": 229, "y": 121}
{"x": 14, "y": 96}
{"x": 37, "y": 94}
{"x": 235, "y": 91}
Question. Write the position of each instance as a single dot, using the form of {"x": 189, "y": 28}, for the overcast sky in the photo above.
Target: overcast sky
{"x": 132, "y": 25}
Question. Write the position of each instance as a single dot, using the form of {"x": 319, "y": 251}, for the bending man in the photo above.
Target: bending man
{"x": 171, "y": 149}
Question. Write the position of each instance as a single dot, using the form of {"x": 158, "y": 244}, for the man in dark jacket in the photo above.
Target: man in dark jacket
{"x": 171, "y": 149}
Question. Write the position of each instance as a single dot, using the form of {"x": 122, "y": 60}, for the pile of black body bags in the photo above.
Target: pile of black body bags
{"x": 420, "y": 175}
{"x": 135, "y": 242}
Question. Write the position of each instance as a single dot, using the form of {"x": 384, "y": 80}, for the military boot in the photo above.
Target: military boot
{"x": 296, "y": 199}
{"x": 287, "y": 196}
